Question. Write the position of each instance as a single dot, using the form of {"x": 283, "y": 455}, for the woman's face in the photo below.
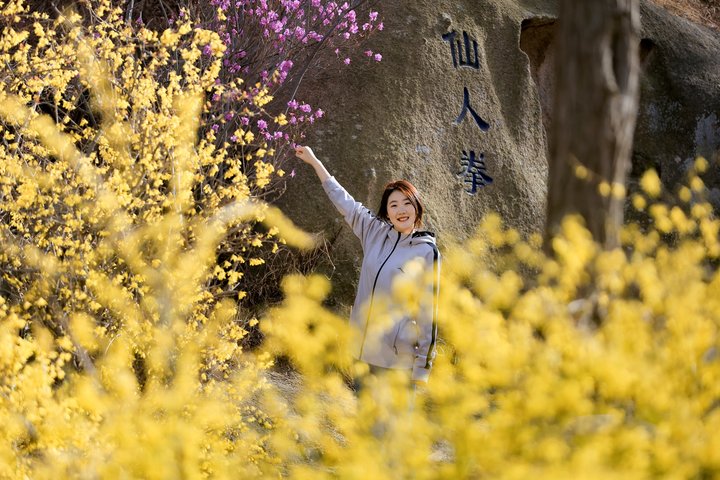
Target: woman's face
{"x": 401, "y": 212}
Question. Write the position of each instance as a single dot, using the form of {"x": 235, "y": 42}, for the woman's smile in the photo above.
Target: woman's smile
{"x": 401, "y": 212}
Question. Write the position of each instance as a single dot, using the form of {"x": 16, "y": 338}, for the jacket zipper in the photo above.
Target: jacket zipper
{"x": 372, "y": 296}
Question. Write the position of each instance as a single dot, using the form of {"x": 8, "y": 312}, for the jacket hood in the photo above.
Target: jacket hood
{"x": 421, "y": 236}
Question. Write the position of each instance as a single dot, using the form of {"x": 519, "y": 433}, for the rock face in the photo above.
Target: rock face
{"x": 432, "y": 106}
{"x": 404, "y": 118}
{"x": 678, "y": 118}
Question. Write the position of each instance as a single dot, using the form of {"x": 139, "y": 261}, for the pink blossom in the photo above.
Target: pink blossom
{"x": 275, "y": 31}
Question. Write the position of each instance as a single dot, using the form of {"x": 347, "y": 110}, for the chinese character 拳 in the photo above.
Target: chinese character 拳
{"x": 474, "y": 172}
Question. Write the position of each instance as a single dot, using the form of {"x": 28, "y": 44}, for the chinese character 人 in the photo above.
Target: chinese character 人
{"x": 484, "y": 126}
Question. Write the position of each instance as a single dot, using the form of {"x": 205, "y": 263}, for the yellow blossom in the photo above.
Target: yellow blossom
{"x": 650, "y": 183}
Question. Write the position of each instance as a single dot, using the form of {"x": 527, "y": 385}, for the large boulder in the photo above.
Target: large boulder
{"x": 399, "y": 119}
{"x": 678, "y": 118}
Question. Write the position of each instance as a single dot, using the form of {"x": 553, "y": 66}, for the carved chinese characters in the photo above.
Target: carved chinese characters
{"x": 473, "y": 171}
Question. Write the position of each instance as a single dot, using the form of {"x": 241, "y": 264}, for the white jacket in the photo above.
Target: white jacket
{"x": 384, "y": 334}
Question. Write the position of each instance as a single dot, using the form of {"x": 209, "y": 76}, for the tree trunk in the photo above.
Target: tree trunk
{"x": 596, "y": 101}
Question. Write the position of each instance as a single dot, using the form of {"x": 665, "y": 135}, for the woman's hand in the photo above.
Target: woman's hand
{"x": 305, "y": 154}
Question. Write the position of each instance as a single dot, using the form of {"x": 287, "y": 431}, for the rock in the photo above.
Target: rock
{"x": 397, "y": 119}
{"x": 680, "y": 93}
{"x": 408, "y": 105}
{"x": 680, "y": 98}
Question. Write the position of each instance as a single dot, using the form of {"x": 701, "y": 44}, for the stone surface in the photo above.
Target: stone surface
{"x": 396, "y": 119}
{"x": 680, "y": 99}
{"x": 680, "y": 93}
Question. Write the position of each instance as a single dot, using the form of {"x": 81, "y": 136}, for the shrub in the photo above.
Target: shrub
{"x": 584, "y": 364}
{"x": 116, "y": 321}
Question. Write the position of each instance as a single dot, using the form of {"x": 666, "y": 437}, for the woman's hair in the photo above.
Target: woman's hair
{"x": 407, "y": 189}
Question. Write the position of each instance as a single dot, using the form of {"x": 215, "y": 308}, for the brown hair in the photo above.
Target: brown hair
{"x": 407, "y": 189}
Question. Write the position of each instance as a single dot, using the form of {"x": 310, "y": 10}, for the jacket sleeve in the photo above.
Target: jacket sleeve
{"x": 360, "y": 219}
{"x": 428, "y": 322}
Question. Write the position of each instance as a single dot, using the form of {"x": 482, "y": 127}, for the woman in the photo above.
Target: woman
{"x": 386, "y": 336}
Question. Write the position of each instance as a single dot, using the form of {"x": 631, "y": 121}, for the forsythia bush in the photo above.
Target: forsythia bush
{"x": 593, "y": 364}
{"x": 120, "y": 353}
{"x": 586, "y": 364}
{"x": 119, "y": 324}
{"x": 127, "y": 103}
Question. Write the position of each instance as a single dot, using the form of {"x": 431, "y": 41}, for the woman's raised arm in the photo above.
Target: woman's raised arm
{"x": 361, "y": 220}
{"x": 306, "y": 155}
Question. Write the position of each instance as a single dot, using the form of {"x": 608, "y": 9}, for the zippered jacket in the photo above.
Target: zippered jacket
{"x": 385, "y": 333}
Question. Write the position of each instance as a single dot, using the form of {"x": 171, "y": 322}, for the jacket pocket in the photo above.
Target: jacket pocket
{"x": 406, "y": 336}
